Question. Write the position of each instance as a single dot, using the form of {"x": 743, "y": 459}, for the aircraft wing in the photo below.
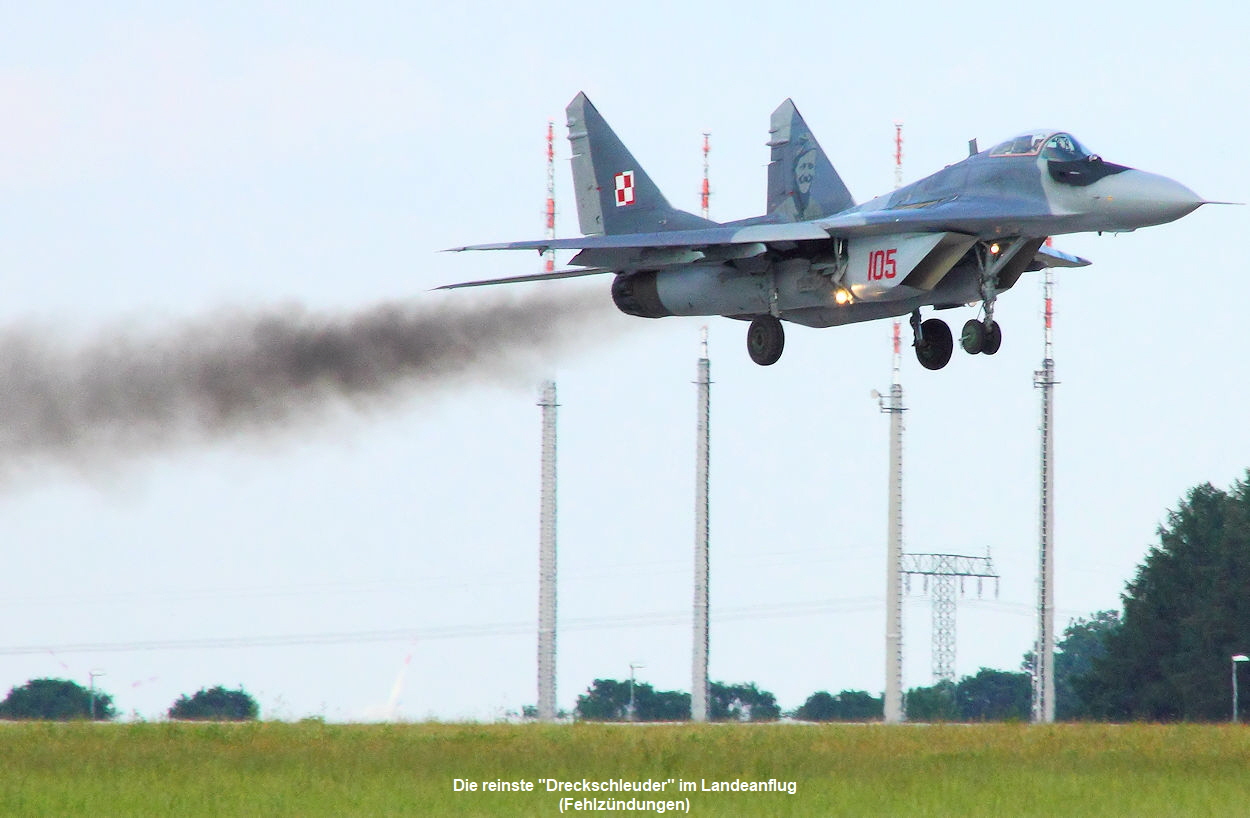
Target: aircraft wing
{"x": 555, "y": 274}
{"x": 631, "y": 251}
{"x": 960, "y": 215}
{"x": 626, "y": 251}
{"x": 702, "y": 237}
{"x": 1050, "y": 257}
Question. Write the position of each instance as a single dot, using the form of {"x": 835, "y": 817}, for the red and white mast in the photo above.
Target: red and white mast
{"x": 898, "y": 182}
{"x": 1044, "y": 652}
{"x": 549, "y": 257}
{"x": 898, "y": 154}
{"x": 707, "y": 191}
{"x": 893, "y": 698}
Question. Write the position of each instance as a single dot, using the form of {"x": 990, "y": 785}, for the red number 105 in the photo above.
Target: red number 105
{"x": 881, "y": 264}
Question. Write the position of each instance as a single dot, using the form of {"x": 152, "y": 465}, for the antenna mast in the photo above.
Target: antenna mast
{"x": 898, "y": 182}
{"x": 547, "y": 560}
{"x": 707, "y": 191}
{"x": 894, "y": 548}
{"x": 898, "y": 154}
{"x": 702, "y": 576}
{"x": 893, "y": 405}
{"x": 549, "y": 257}
{"x": 1044, "y": 651}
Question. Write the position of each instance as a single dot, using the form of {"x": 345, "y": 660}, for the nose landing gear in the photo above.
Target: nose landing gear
{"x": 981, "y": 337}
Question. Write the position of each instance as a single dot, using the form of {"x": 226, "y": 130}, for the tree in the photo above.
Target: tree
{"x": 1185, "y": 613}
{"x": 993, "y": 695}
{"x": 529, "y": 712}
{"x": 849, "y": 705}
{"x": 608, "y": 700}
{"x": 990, "y": 695}
{"x": 741, "y": 702}
{"x": 56, "y": 700}
{"x": 604, "y": 700}
{"x": 933, "y": 703}
{"x": 216, "y": 704}
{"x": 820, "y": 706}
{"x": 1084, "y": 642}
{"x": 665, "y": 705}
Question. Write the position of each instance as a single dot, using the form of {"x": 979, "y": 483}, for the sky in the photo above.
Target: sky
{"x": 172, "y": 175}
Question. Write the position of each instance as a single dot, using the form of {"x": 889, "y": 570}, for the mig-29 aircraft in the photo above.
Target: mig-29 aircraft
{"x": 961, "y": 236}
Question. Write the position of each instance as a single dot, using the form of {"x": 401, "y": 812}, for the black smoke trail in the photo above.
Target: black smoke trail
{"x": 125, "y": 392}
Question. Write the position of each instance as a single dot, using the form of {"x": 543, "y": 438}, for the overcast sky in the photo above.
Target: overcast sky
{"x": 171, "y": 177}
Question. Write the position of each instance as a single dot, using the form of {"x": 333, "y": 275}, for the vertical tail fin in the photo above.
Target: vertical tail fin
{"x": 802, "y": 183}
{"x": 614, "y": 193}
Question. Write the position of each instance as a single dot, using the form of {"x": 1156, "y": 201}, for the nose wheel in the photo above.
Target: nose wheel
{"x": 981, "y": 337}
{"x": 993, "y": 339}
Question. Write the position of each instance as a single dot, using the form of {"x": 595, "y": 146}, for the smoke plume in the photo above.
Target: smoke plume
{"x": 126, "y": 392}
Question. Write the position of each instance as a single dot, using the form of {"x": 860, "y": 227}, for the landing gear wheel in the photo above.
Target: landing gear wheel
{"x": 993, "y": 338}
{"x": 765, "y": 340}
{"x": 972, "y": 339}
{"x": 934, "y": 351}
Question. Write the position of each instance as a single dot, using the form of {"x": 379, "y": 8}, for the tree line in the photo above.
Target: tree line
{"x": 1167, "y": 656}
{"x": 610, "y": 700}
{"x": 64, "y": 700}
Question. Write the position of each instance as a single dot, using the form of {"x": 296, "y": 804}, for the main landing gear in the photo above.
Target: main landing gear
{"x": 765, "y": 340}
{"x": 932, "y": 341}
{"x": 934, "y": 344}
{"x": 979, "y": 336}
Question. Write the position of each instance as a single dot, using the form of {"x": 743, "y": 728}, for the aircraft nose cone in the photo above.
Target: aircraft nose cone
{"x": 1143, "y": 199}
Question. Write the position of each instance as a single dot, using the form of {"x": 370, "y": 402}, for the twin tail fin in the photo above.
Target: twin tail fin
{"x": 802, "y": 183}
{"x": 614, "y": 194}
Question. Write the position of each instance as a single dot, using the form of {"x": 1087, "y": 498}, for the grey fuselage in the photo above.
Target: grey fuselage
{"x": 961, "y": 235}
{"x": 991, "y": 196}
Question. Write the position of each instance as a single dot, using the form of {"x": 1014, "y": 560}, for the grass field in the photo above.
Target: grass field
{"x": 311, "y": 769}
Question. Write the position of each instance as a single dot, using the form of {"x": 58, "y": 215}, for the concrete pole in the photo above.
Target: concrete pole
{"x": 1044, "y": 653}
{"x": 893, "y": 704}
{"x": 547, "y": 560}
{"x": 702, "y": 574}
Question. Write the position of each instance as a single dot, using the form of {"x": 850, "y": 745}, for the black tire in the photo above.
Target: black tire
{"x": 993, "y": 338}
{"x": 934, "y": 352}
{"x": 765, "y": 340}
{"x": 972, "y": 339}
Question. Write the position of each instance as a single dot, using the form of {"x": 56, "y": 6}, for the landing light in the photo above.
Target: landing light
{"x": 994, "y": 248}
{"x": 842, "y": 297}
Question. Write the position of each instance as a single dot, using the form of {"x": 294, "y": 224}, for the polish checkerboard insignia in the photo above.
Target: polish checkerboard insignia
{"x": 624, "y": 188}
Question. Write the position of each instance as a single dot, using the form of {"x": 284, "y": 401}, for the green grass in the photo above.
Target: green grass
{"x": 314, "y": 769}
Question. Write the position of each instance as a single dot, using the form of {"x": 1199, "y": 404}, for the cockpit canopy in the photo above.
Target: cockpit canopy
{"x": 1049, "y": 144}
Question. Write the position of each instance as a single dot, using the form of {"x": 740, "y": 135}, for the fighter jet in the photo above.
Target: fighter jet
{"x": 957, "y": 238}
